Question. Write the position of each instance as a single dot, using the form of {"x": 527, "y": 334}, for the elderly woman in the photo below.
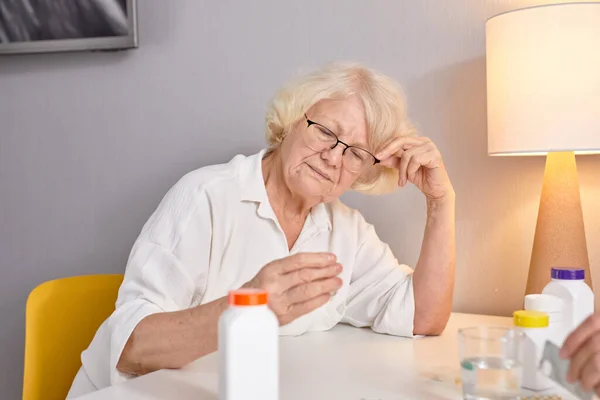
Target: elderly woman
{"x": 273, "y": 221}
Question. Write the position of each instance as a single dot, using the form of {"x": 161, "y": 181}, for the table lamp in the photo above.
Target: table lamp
{"x": 543, "y": 97}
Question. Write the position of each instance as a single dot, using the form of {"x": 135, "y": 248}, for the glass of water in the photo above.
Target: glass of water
{"x": 490, "y": 363}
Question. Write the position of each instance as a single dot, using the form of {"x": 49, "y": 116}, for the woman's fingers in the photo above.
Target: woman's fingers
{"x": 590, "y": 374}
{"x": 398, "y": 145}
{"x": 270, "y": 276}
{"x": 402, "y": 152}
{"x": 307, "y": 291}
{"x": 413, "y": 167}
{"x": 582, "y": 356}
{"x": 307, "y": 275}
{"x": 590, "y": 327}
{"x": 303, "y": 260}
{"x": 428, "y": 159}
{"x": 406, "y": 159}
{"x": 298, "y": 279}
{"x": 299, "y": 309}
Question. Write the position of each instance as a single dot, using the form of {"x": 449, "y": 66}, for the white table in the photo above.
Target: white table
{"x": 345, "y": 363}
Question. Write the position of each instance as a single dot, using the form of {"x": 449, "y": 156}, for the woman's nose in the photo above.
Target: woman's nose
{"x": 334, "y": 156}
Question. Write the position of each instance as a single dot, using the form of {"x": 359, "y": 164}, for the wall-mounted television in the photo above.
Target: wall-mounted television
{"x": 40, "y": 26}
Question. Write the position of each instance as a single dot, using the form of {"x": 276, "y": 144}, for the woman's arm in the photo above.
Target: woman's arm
{"x": 433, "y": 279}
{"x": 172, "y": 339}
{"x": 419, "y": 161}
{"x": 297, "y": 285}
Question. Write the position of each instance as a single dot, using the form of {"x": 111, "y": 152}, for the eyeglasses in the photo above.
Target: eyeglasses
{"x": 321, "y": 138}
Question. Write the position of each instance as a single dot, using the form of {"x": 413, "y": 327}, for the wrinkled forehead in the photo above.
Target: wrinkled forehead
{"x": 346, "y": 118}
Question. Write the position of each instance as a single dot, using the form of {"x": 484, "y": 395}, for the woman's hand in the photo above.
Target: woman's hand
{"x": 298, "y": 284}
{"x": 419, "y": 161}
{"x": 582, "y": 347}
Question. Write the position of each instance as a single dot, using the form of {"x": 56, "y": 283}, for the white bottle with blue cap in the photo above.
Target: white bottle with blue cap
{"x": 569, "y": 285}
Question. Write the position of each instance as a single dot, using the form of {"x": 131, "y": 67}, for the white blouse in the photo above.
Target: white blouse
{"x": 213, "y": 231}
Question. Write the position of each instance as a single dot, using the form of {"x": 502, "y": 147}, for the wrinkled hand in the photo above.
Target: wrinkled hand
{"x": 419, "y": 161}
{"x": 298, "y": 284}
{"x": 582, "y": 347}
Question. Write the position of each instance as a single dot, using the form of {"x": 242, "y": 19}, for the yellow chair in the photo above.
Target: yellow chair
{"x": 61, "y": 319}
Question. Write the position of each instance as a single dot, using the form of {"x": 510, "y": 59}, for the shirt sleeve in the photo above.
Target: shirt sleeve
{"x": 381, "y": 289}
{"x": 167, "y": 267}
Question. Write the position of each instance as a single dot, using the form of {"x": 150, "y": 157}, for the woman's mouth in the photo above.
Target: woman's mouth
{"x": 319, "y": 172}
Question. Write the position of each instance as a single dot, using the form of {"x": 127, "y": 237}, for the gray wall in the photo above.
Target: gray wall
{"x": 90, "y": 142}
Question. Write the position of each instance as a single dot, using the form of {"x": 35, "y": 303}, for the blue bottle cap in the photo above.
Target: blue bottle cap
{"x": 568, "y": 274}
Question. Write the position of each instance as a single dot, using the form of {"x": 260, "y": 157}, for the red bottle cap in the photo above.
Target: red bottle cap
{"x": 248, "y": 297}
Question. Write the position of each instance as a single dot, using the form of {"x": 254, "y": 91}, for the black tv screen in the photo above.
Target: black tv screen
{"x": 39, "y": 26}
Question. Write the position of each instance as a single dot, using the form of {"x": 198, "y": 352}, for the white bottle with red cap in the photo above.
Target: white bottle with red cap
{"x": 569, "y": 285}
{"x": 248, "y": 348}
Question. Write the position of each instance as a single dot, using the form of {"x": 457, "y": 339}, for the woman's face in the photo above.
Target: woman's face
{"x": 317, "y": 175}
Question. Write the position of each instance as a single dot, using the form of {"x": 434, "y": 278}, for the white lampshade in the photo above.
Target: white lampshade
{"x": 543, "y": 80}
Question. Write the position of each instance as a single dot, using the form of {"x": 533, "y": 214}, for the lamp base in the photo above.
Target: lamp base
{"x": 559, "y": 233}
